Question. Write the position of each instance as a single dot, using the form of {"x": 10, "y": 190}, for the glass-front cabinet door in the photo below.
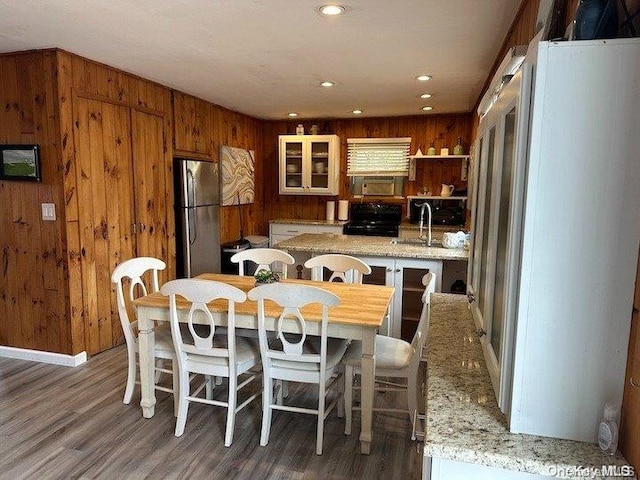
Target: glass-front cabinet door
{"x": 497, "y": 227}
{"x": 309, "y": 164}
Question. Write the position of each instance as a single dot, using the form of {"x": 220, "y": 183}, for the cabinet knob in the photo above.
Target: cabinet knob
{"x": 397, "y": 270}
{"x": 389, "y": 269}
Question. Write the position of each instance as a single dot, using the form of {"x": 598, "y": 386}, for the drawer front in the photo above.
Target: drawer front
{"x": 292, "y": 229}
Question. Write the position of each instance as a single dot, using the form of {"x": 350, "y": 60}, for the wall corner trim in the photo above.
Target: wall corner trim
{"x": 43, "y": 357}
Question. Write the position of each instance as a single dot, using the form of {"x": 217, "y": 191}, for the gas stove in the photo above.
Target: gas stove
{"x": 374, "y": 219}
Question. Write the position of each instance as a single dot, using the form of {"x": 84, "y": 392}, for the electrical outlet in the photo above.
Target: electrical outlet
{"x": 49, "y": 212}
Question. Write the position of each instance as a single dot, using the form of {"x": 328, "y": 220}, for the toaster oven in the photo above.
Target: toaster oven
{"x": 449, "y": 211}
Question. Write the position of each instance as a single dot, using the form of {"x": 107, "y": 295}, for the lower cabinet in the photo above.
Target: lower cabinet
{"x": 406, "y": 276}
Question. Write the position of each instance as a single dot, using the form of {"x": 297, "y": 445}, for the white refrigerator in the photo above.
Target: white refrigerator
{"x": 556, "y": 228}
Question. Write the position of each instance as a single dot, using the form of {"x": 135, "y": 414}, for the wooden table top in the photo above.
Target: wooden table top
{"x": 364, "y": 305}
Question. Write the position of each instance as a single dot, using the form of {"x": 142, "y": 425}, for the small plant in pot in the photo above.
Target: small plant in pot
{"x": 264, "y": 276}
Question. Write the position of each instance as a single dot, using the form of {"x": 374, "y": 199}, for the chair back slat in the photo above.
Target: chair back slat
{"x": 345, "y": 268}
{"x": 200, "y": 293}
{"x": 292, "y": 297}
{"x": 264, "y": 258}
{"x": 422, "y": 332}
{"x": 134, "y": 271}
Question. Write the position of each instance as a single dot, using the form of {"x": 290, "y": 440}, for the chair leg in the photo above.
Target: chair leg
{"x": 131, "y": 377}
{"x": 348, "y": 398}
{"x": 231, "y": 410}
{"x": 183, "y": 403}
{"x": 267, "y": 400}
{"x": 280, "y": 385}
{"x": 209, "y": 385}
{"x": 176, "y": 386}
{"x": 340, "y": 388}
{"x": 322, "y": 391}
{"x": 158, "y": 373}
{"x": 411, "y": 396}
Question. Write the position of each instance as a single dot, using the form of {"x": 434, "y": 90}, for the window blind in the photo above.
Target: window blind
{"x": 378, "y": 156}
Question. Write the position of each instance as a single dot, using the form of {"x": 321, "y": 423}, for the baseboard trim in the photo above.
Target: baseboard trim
{"x": 43, "y": 357}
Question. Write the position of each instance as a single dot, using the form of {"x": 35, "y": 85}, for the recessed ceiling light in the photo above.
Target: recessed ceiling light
{"x": 327, "y": 83}
{"x": 293, "y": 114}
{"x": 356, "y": 112}
{"x": 425, "y": 95}
{"x": 423, "y": 78}
{"x": 331, "y": 9}
{"x": 427, "y": 108}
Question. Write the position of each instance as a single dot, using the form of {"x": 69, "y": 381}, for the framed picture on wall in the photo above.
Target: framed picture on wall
{"x": 20, "y": 162}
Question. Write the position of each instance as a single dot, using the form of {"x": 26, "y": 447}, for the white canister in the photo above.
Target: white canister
{"x": 331, "y": 211}
{"x": 343, "y": 210}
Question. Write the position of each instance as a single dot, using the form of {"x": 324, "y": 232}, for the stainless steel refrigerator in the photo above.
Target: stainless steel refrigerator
{"x": 197, "y": 202}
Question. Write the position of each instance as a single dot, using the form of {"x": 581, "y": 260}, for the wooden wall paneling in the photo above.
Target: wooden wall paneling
{"x": 119, "y": 182}
{"x": 32, "y": 285}
{"x": 151, "y": 184}
{"x": 103, "y": 146}
{"x": 74, "y": 290}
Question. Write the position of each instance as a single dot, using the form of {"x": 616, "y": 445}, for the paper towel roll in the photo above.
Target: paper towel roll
{"x": 331, "y": 211}
{"x": 343, "y": 210}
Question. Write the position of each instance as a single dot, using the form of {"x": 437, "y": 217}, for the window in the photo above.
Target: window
{"x": 378, "y": 157}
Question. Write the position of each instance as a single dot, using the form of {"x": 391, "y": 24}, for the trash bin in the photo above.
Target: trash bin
{"x": 258, "y": 241}
{"x": 228, "y": 250}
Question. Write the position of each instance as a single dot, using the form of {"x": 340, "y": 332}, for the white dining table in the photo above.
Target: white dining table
{"x": 359, "y": 315}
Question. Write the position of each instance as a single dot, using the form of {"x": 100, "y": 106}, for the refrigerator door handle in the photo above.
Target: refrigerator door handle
{"x": 191, "y": 190}
{"x": 193, "y": 227}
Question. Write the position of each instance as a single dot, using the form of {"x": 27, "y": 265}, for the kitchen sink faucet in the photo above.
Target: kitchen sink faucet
{"x": 425, "y": 205}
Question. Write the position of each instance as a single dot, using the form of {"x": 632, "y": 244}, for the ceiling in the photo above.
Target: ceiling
{"x": 266, "y": 58}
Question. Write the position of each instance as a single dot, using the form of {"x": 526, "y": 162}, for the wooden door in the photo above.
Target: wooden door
{"x": 102, "y": 142}
{"x": 630, "y": 423}
{"x": 151, "y": 185}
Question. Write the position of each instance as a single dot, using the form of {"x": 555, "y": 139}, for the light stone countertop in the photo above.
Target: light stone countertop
{"x": 360, "y": 245}
{"x": 464, "y": 422}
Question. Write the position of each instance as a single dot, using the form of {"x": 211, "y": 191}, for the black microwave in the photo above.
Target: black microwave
{"x": 449, "y": 211}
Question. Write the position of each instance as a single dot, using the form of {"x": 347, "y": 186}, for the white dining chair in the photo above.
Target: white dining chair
{"x": 395, "y": 359}
{"x": 132, "y": 275}
{"x": 219, "y": 355}
{"x": 342, "y": 267}
{"x": 264, "y": 258}
{"x": 297, "y": 358}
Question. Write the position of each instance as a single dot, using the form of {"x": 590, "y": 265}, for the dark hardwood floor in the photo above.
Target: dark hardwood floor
{"x": 61, "y": 422}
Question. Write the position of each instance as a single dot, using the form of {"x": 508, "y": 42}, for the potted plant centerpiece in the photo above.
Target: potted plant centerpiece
{"x": 264, "y": 276}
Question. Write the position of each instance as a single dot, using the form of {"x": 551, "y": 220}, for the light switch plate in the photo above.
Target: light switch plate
{"x": 49, "y": 211}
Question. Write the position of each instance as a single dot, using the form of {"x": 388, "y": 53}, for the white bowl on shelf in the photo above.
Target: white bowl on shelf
{"x": 292, "y": 168}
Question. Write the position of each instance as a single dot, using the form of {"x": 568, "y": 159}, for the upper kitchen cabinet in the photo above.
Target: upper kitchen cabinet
{"x": 309, "y": 164}
{"x": 193, "y": 124}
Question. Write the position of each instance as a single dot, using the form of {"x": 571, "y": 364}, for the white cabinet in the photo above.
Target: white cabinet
{"x": 309, "y": 164}
{"x": 406, "y": 276}
{"x": 556, "y": 234}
